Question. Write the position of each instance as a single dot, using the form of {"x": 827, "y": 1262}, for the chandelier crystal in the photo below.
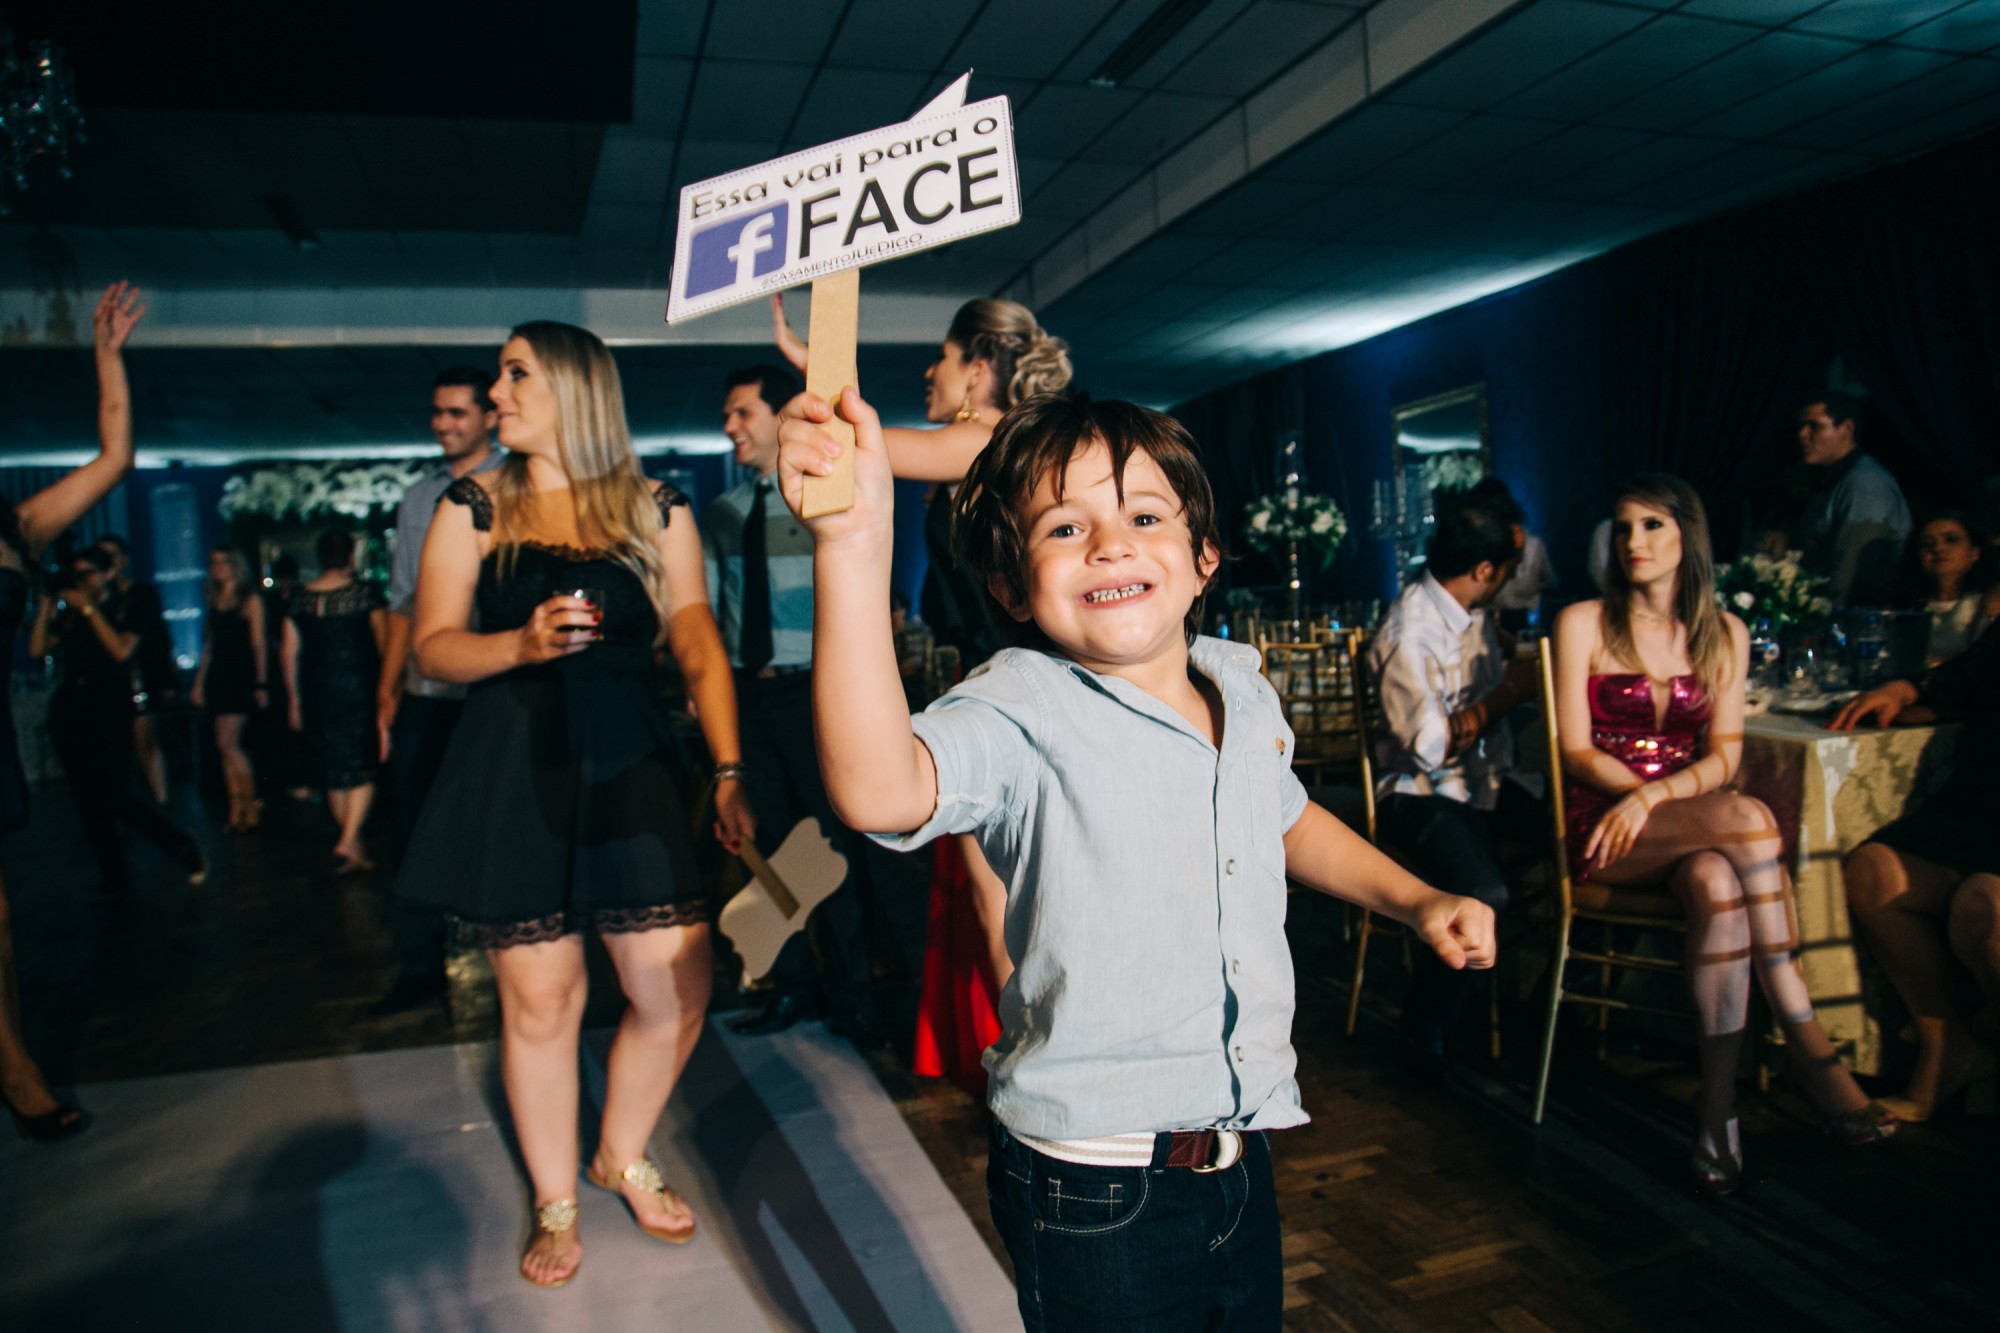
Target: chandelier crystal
{"x": 40, "y": 120}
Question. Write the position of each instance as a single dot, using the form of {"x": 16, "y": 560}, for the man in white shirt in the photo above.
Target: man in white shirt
{"x": 1446, "y": 786}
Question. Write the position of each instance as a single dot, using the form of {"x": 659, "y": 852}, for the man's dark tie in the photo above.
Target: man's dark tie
{"x": 753, "y": 643}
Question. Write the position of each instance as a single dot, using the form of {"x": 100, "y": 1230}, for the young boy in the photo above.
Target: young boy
{"x": 1132, "y": 785}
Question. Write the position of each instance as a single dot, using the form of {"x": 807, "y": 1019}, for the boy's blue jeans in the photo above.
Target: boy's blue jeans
{"x": 1156, "y": 1248}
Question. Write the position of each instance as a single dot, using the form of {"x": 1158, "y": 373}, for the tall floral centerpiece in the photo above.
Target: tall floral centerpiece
{"x": 1293, "y": 523}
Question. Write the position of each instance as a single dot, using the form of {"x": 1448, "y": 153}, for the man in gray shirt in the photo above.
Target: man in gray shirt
{"x": 415, "y": 716}
{"x": 1854, "y": 526}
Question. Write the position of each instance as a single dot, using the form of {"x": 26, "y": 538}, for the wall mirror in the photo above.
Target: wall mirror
{"x": 1440, "y": 444}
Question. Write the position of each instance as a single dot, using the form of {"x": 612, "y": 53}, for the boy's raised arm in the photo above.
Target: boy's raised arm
{"x": 1323, "y": 853}
{"x": 878, "y": 774}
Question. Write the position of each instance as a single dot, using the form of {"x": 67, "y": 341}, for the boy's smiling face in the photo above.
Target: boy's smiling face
{"x": 1110, "y": 584}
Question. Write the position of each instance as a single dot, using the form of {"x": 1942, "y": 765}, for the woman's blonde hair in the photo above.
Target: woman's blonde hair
{"x": 239, "y": 574}
{"x": 1027, "y": 361}
{"x": 615, "y": 507}
{"x": 1709, "y": 649}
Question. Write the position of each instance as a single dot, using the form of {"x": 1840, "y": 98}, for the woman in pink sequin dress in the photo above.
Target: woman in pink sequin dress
{"x": 1649, "y": 708}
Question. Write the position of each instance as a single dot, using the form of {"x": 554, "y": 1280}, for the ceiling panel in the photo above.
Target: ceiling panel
{"x": 780, "y": 30}
{"x": 1868, "y": 71}
{"x": 1463, "y": 149}
{"x": 1663, "y": 49}
{"x": 1558, "y": 157}
{"x": 1943, "y": 127}
{"x": 1629, "y": 171}
{"x": 1079, "y": 190}
{"x": 1873, "y": 20}
{"x": 1028, "y": 39}
{"x": 1966, "y": 81}
{"x": 853, "y": 101}
{"x": 1160, "y": 123}
{"x": 880, "y": 34}
{"x": 670, "y": 27}
{"x": 1262, "y": 40}
{"x": 659, "y": 93}
{"x": 1376, "y": 134}
{"x": 1524, "y": 48}
{"x": 1733, "y": 170}
{"x": 1187, "y": 44}
{"x": 745, "y": 99}
{"x": 1771, "y": 13}
{"x": 1976, "y": 27}
{"x": 1063, "y": 121}
{"x": 1772, "y": 59}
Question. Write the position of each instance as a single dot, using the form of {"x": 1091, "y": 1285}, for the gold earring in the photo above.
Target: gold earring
{"x": 966, "y": 411}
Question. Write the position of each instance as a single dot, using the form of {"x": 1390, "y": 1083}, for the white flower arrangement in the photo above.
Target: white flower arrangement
{"x": 314, "y": 490}
{"x": 1455, "y": 470}
{"x": 1316, "y": 524}
{"x": 1777, "y": 589}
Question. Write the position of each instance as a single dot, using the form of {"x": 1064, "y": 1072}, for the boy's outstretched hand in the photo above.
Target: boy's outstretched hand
{"x": 1459, "y": 930}
{"x": 804, "y": 449}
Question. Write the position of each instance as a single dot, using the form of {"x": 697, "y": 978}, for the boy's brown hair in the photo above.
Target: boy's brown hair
{"x": 1041, "y": 436}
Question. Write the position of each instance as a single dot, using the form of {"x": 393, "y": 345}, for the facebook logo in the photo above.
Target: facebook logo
{"x": 736, "y": 250}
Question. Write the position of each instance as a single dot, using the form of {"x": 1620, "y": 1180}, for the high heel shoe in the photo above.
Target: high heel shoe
{"x": 1859, "y": 1128}
{"x": 49, "y": 1126}
{"x": 1719, "y": 1175}
{"x": 645, "y": 1173}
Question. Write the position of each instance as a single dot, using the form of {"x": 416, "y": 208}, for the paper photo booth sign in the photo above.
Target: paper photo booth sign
{"x": 943, "y": 175}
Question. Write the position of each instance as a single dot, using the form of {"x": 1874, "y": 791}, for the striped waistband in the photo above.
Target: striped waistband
{"x": 1110, "y": 1150}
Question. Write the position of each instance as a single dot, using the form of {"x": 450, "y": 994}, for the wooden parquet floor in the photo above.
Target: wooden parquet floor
{"x": 1406, "y": 1206}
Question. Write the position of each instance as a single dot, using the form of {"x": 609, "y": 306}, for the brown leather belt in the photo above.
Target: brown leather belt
{"x": 1205, "y": 1150}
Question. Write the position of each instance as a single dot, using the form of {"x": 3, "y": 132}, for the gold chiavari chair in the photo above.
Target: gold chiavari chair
{"x": 1365, "y": 719}
{"x": 1312, "y": 681}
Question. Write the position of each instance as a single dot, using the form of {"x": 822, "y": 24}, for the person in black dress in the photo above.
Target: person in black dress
{"x": 155, "y": 679}
{"x": 557, "y": 805}
{"x": 332, "y": 652}
{"x": 25, "y": 529}
{"x": 1925, "y": 890}
{"x": 232, "y": 681}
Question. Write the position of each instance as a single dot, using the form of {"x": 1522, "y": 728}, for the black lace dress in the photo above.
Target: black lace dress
{"x": 558, "y": 803}
{"x": 338, "y": 666}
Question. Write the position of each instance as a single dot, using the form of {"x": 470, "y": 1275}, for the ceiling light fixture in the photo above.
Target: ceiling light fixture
{"x": 1145, "y": 42}
{"x": 39, "y": 115}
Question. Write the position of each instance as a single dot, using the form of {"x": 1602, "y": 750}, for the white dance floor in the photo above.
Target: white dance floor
{"x": 381, "y": 1192}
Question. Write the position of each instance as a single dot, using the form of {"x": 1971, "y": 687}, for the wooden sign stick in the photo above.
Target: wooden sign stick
{"x": 830, "y": 338}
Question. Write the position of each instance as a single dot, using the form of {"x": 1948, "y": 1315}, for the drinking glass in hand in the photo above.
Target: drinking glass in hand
{"x": 595, "y": 596}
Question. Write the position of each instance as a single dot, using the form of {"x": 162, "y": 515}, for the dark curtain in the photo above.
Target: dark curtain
{"x": 1902, "y": 267}
{"x": 1706, "y": 348}
{"x": 1238, "y": 430}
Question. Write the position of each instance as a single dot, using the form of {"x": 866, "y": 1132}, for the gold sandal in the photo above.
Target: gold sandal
{"x": 557, "y": 1219}
{"x": 645, "y": 1173}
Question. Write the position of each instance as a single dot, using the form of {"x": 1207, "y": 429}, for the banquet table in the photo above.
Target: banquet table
{"x": 1830, "y": 791}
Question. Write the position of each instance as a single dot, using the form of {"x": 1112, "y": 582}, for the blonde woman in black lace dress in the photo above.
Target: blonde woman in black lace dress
{"x": 557, "y": 806}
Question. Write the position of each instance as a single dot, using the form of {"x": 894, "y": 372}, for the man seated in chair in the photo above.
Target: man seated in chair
{"x": 1447, "y": 790}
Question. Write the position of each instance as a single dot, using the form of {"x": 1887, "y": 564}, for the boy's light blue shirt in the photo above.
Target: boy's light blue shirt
{"x": 1145, "y": 874}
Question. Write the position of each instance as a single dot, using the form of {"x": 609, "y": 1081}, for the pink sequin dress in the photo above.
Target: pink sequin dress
{"x": 1624, "y": 723}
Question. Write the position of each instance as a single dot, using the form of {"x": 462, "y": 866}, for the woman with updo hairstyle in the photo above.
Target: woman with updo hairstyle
{"x": 1949, "y": 577}
{"x": 995, "y": 356}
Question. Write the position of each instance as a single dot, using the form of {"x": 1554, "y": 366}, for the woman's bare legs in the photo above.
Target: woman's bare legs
{"x": 20, "y": 1078}
{"x": 542, "y": 989}
{"x": 989, "y": 905}
{"x": 1741, "y": 830}
{"x": 1906, "y": 910}
{"x": 237, "y": 774}
{"x": 666, "y": 975}
{"x": 350, "y": 807}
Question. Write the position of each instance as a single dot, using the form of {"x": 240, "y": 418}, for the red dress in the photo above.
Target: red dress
{"x": 956, "y": 1019}
{"x": 1625, "y": 725}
